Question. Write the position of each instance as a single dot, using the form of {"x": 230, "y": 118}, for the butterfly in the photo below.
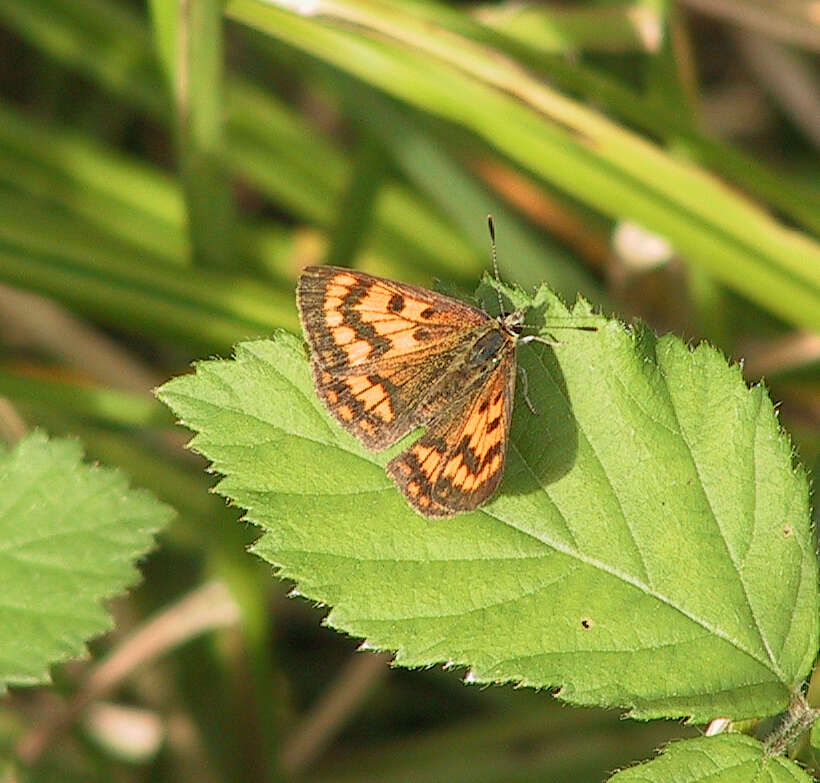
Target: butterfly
{"x": 388, "y": 357}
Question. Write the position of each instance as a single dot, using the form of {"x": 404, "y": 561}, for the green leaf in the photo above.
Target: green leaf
{"x": 726, "y": 758}
{"x": 70, "y": 535}
{"x": 649, "y": 547}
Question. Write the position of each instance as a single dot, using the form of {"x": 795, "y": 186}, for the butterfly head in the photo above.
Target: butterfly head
{"x": 513, "y": 323}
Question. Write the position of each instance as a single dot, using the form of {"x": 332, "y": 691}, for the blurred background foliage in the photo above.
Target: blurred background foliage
{"x": 168, "y": 166}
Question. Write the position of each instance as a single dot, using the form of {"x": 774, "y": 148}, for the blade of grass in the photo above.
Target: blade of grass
{"x": 524, "y": 257}
{"x": 267, "y": 143}
{"x": 115, "y": 52}
{"x": 556, "y": 29}
{"x": 796, "y": 198}
{"x": 149, "y": 312}
{"x": 34, "y": 389}
{"x": 355, "y": 208}
{"x": 29, "y": 226}
{"x": 276, "y": 151}
{"x": 740, "y": 166}
{"x": 80, "y": 32}
{"x": 670, "y": 81}
{"x": 579, "y": 151}
{"x": 119, "y": 196}
{"x": 77, "y": 181}
{"x": 200, "y": 104}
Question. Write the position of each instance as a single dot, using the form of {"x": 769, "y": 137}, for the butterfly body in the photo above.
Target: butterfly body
{"x": 388, "y": 357}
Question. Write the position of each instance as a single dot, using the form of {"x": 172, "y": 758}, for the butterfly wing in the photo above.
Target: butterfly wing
{"x": 354, "y": 321}
{"x": 457, "y": 464}
{"x": 379, "y": 347}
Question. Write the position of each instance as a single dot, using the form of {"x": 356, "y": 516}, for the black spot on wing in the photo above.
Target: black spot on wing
{"x": 494, "y": 424}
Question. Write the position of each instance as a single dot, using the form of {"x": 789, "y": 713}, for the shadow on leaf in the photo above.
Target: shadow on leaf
{"x": 545, "y": 443}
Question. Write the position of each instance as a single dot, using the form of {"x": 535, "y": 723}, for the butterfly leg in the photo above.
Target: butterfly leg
{"x": 531, "y": 338}
{"x": 537, "y": 338}
{"x": 525, "y": 390}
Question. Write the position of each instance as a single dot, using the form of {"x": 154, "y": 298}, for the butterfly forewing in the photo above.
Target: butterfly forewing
{"x": 389, "y": 356}
{"x": 354, "y": 320}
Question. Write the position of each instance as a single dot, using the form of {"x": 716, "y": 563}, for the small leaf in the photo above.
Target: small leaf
{"x": 726, "y": 758}
{"x": 70, "y": 534}
{"x": 649, "y": 546}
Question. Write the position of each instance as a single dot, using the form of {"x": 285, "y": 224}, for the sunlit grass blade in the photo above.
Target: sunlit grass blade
{"x": 197, "y": 80}
{"x": 105, "y": 405}
{"x": 574, "y": 148}
{"x": 525, "y": 257}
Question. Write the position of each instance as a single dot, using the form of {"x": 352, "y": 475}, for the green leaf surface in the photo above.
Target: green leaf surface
{"x": 70, "y": 535}
{"x": 726, "y": 758}
{"x": 650, "y": 545}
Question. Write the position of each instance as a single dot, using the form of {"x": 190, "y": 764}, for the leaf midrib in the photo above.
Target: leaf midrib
{"x": 730, "y": 554}
{"x": 630, "y": 580}
{"x": 627, "y": 578}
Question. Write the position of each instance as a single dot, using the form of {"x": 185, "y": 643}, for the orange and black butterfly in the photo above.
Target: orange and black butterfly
{"x": 388, "y": 357}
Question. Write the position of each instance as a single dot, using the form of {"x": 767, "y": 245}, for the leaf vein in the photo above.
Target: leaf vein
{"x": 614, "y": 494}
{"x": 775, "y": 668}
{"x": 643, "y": 587}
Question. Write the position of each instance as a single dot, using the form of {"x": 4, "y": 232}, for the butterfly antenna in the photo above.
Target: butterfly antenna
{"x": 491, "y": 226}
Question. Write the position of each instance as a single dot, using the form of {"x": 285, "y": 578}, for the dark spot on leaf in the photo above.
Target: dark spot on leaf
{"x": 586, "y": 623}
{"x": 787, "y": 531}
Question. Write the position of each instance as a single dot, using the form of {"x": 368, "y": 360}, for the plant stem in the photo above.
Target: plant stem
{"x": 799, "y": 717}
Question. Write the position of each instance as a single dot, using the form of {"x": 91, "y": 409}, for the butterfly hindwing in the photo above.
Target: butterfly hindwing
{"x": 383, "y": 404}
{"x": 458, "y": 463}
